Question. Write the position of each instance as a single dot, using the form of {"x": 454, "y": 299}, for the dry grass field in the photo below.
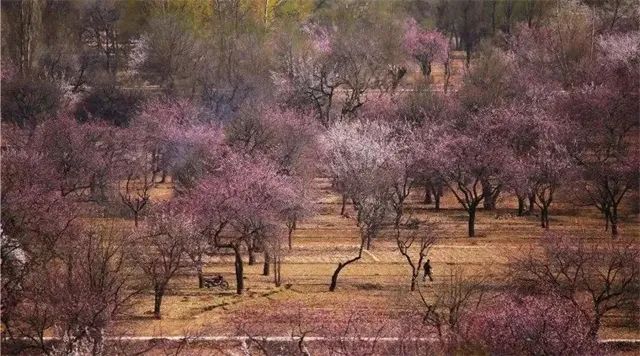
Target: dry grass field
{"x": 376, "y": 288}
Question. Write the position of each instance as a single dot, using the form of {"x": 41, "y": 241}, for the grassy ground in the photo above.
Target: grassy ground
{"x": 376, "y": 286}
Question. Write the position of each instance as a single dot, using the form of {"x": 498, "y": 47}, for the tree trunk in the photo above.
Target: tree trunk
{"x": 532, "y": 203}
{"x": 613, "y": 218}
{"x": 427, "y": 194}
{"x": 437, "y": 193}
{"x": 276, "y": 271}
{"x": 595, "y": 326}
{"x": 158, "y": 293}
{"x": 344, "y": 203}
{"x": 546, "y": 217}
{"x": 334, "y": 277}
{"x": 252, "y": 256}
{"x": 447, "y": 76}
{"x": 267, "y": 264}
{"x": 414, "y": 279}
{"x": 200, "y": 275}
{"x": 425, "y": 68}
{"x": 490, "y": 196}
{"x": 544, "y": 220}
{"x": 290, "y": 240}
{"x": 472, "y": 221}
{"x": 239, "y": 270}
{"x": 520, "y": 206}
{"x": 135, "y": 218}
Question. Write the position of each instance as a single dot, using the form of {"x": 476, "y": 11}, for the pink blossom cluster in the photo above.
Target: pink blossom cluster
{"x": 425, "y": 46}
{"x": 531, "y": 325}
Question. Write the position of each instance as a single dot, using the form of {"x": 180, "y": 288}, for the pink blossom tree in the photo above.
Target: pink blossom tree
{"x": 430, "y": 114}
{"x": 308, "y": 75}
{"x": 193, "y": 153}
{"x": 425, "y": 166}
{"x": 134, "y": 179}
{"x": 286, "y": 136}
{"x": 300, "y": 208}
{"x": 57, "y": 274}
{"x": 85, "y": 157}
{"x": 344, "y": 57}
{"x": 71, "y": 149}
{"x": 36, "y": 220}
{"x": 175, "y": 132}
{"x": 464, "y": 163}
{"x": 402, "y": 168}
{"x": 604, "y": 113}
{"x": 425, "y": 46}
{"x": 358, "y": 158}
{"x": 538, "y": 153}
{"x": 34, "y": 212}
{"x": 551, "y": 166}
{"x": 362, "y": 66}
{"x": 241, "y": 204}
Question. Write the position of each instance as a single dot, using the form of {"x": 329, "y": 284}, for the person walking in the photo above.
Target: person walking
{"x": 427, "y": 271}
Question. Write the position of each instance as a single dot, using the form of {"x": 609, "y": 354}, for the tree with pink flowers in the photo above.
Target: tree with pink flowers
{"x": 465, "y": 161}
{"x": 538, "y": 153}
{"x": 308, "y": 75}
{"x": 359, "y": 157}
{"x": 425, "y": 46}
{"x": 286, "y": 136}
{"x": 176, "y": 133}
{"x": 241, "y": 205}
{"x": 604, "y": 114}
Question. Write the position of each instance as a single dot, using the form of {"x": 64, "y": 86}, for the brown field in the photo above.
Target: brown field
{"x": 376, "y": 288}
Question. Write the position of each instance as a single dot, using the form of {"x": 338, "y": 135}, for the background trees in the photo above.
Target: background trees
{"x": 603, "y": 113}
{"x": 28, "y": 102}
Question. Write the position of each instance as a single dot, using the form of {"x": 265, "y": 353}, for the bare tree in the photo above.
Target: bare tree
{"x": 452, "y": 304}
{"x": 414, "y": 244}
{"x": 162, "y": 247}
{"x": 597, "y": 276}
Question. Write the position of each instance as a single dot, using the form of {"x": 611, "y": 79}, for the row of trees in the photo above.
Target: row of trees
{"x": 524, "y": 120}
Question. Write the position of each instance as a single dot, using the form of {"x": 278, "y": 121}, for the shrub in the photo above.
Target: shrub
{"x": 29, "y": 101}
{"x": 109, "y": 103}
